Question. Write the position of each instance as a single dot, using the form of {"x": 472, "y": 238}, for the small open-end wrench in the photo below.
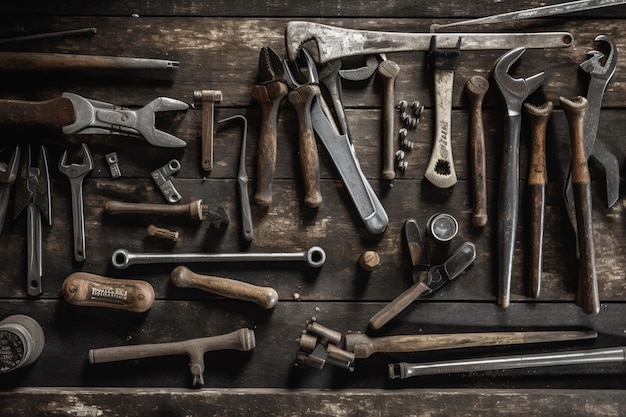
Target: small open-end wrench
{"x": 121, "y": 259}
{"x": 76, "y": 172}
{"x": 514, "y": 91}
{"x": 34, "y": 195}
{"x": 588, "y": 295}
{"x": 539, "y": 116}
{"x": 8, "y": 174}
{"x": 476, "y": 88}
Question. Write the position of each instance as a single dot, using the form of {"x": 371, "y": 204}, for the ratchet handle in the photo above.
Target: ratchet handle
{"x": 84, "y": 289}
{"x": 265, "y": 297}
{"x": 269, "y": 97}
{"x": 388, "y": 71}
{"x": 43, "y": 115}
{"x": 301, "y": 99}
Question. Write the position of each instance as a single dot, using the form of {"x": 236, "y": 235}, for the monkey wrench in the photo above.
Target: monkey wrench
{"x": 514, "y": 91}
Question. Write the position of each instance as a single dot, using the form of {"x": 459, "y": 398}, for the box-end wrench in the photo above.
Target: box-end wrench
{"x": 121, "y": 259}
{"x": 76, "y": 172}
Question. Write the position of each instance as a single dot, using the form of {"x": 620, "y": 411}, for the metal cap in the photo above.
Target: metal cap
{"x": 443, "y": 227}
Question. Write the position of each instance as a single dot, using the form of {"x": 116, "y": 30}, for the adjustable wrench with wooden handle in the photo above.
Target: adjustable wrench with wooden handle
{"x": 265, "y": 297}
{"x": 84, "y": 289}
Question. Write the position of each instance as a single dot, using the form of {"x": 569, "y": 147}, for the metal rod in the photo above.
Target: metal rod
{"x": 552, "y": 10}
{"x": 60, "y": 34}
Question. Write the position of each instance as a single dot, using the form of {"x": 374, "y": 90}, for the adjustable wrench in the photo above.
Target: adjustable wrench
{"x": 514, "y": 91}
{"x": 8, "y": 174}
{"x": 76, "y": 172}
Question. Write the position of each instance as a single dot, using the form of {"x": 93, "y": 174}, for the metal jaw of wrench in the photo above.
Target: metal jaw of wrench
{"x": 121, "y": 258}
{"x": 76, "y": 172}
{"x": 34, "y": 195}
{"x": 8, "y": 174}
{"x": 514, "y": 91}
{"x": 599, "y": 77}
{"x": 97, "y": 117}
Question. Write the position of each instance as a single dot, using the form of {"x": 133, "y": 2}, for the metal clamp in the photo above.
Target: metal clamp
{"x": 162, "y": 176}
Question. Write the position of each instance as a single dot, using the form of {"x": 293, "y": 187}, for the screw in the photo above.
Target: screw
{"x": 418, "y": 111}
{"x": 411, "y": 122}
{"x": 404, "y": 116}
{"x": 402, "y": 105}
{"x": 403, "y": 165}
{"x": 403, "y": 132}
{"x": 407, "y": 144}
{"x": 399, "y": 154}
{"x": 415, "y": 105}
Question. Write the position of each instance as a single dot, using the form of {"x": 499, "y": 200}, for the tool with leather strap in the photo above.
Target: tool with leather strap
{"x": 427, "y": 278}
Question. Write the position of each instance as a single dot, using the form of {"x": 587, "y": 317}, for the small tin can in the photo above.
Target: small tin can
{"x": 21, "y": 342}
{"x": 442, "y": 227}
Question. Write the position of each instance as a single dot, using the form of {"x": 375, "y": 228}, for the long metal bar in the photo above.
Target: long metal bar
{"x": 551, "y": 10}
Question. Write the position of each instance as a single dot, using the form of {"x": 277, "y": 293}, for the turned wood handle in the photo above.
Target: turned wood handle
{"x": 265, "y": 297}
{"x": 49, "y": 115}
{"x": 192, "y": 209}
{"x": 269, "y": 96}
{"x": 84, "y": 289}
{"x": 581, "y": 181}
{"x": 476, "y": 88}
{"x": 388, "y": 71}
{"x": 538, "y": 117}
{"x": 395, "y": 307}
{"x": 301, "y": 100}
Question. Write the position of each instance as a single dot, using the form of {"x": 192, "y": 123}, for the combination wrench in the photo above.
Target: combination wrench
{"x": 122, "y": 259}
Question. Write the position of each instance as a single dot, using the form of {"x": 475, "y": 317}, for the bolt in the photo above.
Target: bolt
{"x": 407, "y": 144}
{"x": 403, "y": 132}
{"x": 404, "y": 116}
{"x": 415, "y": 105}
{"x": 418, "y": 111}
{"x": 402, "y": 105}
{"x": 399, "y": 154}
{"x": 403, "y": 165}
{"x": 411, "y": 122}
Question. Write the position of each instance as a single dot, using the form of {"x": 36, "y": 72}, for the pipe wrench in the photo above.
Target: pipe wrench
{"x": 73, "y": 114}
{"x": 34, "y": 195}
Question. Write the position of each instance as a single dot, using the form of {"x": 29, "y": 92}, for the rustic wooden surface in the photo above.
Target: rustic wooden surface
{"x": 217, "y": 44}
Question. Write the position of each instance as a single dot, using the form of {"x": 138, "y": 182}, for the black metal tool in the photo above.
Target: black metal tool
{"x": 8, "y": 174}
{"x": 428, "y": 279}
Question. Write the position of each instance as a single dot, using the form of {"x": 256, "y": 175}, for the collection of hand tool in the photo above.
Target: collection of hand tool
{"x": 311, "y": 80}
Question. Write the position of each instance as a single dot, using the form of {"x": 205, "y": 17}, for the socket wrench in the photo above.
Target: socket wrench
{"x": 122, "y": 259}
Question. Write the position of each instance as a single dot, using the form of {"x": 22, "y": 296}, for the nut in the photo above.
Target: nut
{"x": 369, "y": 260}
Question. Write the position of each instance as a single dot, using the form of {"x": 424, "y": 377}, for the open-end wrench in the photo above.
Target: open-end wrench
{"x": 8, "y": 174}
{"x": 76, "y": 172}
{"x": 514, "y": 91}
{"x": 314, "y": 257}
{"x": 539, "y": 116}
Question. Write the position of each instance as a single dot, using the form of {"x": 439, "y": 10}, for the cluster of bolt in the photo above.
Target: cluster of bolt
{"x": 410, "y": 122}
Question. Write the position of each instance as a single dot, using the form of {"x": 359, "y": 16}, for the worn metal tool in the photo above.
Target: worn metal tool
{"x": 91, "y": 290}
{"x": 539, "y": 116}
{"x": 76, "y": 172}
{"x": 314, "y": 257}
{"x": 41, "y": 61}
{"x": 599, "y": 77}
{"x": 8, "y": 174}
{"x": 112, "y": 162}
{"x": 334, "y": 42}
{"x": 265, "y": 297}
{"x": 34, "y": 195}
{"x": 73, "y": 114}
{"x": 514, "y": 91}
{"x": 22, "y": 340}
{"x": 442, "y": 58}
{"x": 162, "y": 178}
{"x": 242, "y": 339}
{"x": 588, "y": 295}
{"x": 404, "y": 370}
{"x": 549, "y": 10}
{"x": 269, "y": 92}
{"x": 206, "y": 100}
{"x": 476, "y": 88}
{"x": 319, "y": 344}
{"x": 247, "y": 230}
{"x": 195, "y": 210}
{"x": 427, "y": 278}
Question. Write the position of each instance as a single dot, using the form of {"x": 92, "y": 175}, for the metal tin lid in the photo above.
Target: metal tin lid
{"x": 443, "y": 227}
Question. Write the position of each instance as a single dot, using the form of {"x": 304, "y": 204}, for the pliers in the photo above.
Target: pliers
{"x": 8, "y": 174}
{"x": 427, "y": 279}
{"x": 34, "y": 195}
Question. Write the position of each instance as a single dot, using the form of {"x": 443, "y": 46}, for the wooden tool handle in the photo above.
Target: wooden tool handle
{"x": 192, "y": 209}
{"x": 301, "y": 100}
{"x": 388, "y": 71}
{"x": 538, "y": 117}
{"x": 581, "y": 181}
{"x": 41, "y": 115}
{"x": 395, "y": 307}
{"x": 84, "y": 289}
{"x": 269, "y": 96}
{"x": 265, "y": 297}
{"x": 476, "y": 88}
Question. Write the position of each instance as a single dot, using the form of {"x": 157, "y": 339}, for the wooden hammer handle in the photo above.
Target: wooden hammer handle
{"x": 266, "y": 297}
{"x": 192, "y": 209}
{"x": 589, "y": 298}
{"x": 37, "y": 115}
{"x": 84, "y": 289}
{"x": 395, "y": 307}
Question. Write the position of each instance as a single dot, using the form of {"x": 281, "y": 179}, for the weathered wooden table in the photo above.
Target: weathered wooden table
{"x": 218, "y": 44}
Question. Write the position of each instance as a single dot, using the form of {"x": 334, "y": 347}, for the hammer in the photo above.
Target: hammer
{"x": 242, "y": 339}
